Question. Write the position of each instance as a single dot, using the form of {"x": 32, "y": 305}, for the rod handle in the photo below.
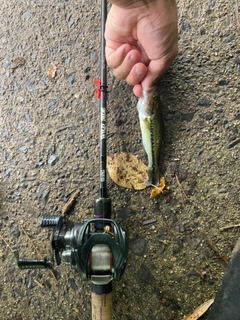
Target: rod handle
{"x": 101, "y": 306}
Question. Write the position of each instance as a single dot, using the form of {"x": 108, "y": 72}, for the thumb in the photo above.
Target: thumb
{"x": 155, "y": 70}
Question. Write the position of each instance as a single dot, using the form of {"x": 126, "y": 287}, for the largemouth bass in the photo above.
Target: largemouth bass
{"x": 151, "y": 123}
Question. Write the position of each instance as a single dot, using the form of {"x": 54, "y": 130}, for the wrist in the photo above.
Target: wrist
{"x": 130, "y": 4}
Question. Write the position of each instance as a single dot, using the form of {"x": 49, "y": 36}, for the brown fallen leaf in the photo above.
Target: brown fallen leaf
{"x": 127, "y": 170}
{"x": 18, "y": 62}
{"x": 199, "y": 311}
{"x": 52, "y": 71}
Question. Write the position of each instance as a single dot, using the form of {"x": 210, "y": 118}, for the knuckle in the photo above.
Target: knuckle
{"x": 118, "y": 75}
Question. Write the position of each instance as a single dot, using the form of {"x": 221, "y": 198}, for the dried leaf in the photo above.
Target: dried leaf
{"x": 52, "y": 71}
{"x": 157, "y": 190}
{"x": 18, "y": 62}
{"x": 127, "y": 170}
{"x": 199, "y": 311}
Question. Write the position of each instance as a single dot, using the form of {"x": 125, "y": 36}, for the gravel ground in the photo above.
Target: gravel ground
{"x": 49, "y": 145}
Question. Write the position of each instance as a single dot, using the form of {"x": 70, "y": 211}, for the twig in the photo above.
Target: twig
{"x": 6, "y": 244}
{"x": 62, "y": 128}
{"x": 159, "y": 189}
{"x": 195, "y": 282}
{"x": 182, "y": 192}
{"x": 234, "y": 142}
{"x": 39, "y": 254}
{"x": 70, "y": 201}
{"x": 230, "y": 227}
{"x": 39, "y": 284}
{"x": 149, "y": 221}
{"x": 215, "y": 249}
{"x": 31, "y": 242}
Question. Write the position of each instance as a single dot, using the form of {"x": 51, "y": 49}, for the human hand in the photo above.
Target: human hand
{"x": 141, "y": 40}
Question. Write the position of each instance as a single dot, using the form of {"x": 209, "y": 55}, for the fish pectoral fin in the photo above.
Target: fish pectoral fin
{"x": 146, "y": 123}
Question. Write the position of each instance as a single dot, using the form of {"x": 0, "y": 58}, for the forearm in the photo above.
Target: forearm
{"x": 140, "y": 3}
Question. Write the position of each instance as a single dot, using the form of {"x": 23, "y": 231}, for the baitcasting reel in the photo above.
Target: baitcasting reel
{"x": 96, "y": 248}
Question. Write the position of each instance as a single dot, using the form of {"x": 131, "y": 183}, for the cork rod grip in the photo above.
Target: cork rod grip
{"x": 101, "y": 306}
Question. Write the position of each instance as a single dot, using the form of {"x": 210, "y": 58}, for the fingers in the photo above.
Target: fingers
{"x": 136, "y": 74}
{"x": 115, "y": 57}
{"x": 157, "y": 68}
{"x": 126, "y": 64}
{"x": 123, "y": 70}
{"x": 137, "y": 90}
{"x": 154, "y": 71}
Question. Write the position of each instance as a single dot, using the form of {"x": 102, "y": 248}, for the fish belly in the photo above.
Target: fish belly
{"x": 151, "y": 142}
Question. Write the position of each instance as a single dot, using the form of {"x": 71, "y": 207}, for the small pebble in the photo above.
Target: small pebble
{"x": 182, "y": 228}
{"x": 43, "y": 192}
{"x": 208, "y": 116}
{"x": 17, "y": 193}
{"x": 52, "y": 105}
{"x": 23, "y": 149}
{"x": 237, "y": 115}
{"x": 15, "y": 231}
{"x": 223, "y": 82}
{"x": 5, "y": 155}
{"x": 228, "y": 38}
{"x": 53, "y": 159}
{"x": 73, "y": 284}
{"x": 67, "y": 61}
{"x": 138, "y": 247}
{"x": 204, "y": 102}
{"x": 31, "y": 284}
{"x": 6, "y": 64}
{"x": 184, "y": 25}
{"x": 71, "y": 79}
{"x": 70, "y": 21}
{"x": 5, "y": 134}
{"x": 30, "y": 85}
{"x": 26, "y": 15}
{"x": 39, "y": 164}
{"x": 28, "y": 118}
{"x": 7, "y": 172}
{"x": 211, "y": 3}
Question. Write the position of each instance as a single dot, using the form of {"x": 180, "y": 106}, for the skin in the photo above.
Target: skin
{"x": 141, "y": 40}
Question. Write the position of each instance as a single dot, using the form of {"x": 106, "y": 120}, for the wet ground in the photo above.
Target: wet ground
{"x": 49, "y": 145}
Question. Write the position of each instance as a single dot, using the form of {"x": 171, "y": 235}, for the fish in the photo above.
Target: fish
{"x": 151, "y": 124}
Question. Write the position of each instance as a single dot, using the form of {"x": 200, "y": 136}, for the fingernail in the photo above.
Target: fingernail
{"x": 133, "y": 57}
{"x": 139, "y": 73}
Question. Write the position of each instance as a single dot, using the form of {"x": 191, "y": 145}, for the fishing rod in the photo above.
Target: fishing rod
{"x": 96, "y": 248}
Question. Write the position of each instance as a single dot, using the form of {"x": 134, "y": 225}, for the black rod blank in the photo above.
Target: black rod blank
{"x": 103, "y": 107}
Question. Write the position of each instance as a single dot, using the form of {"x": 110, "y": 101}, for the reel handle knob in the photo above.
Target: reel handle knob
{"x": 51, "y": 222}
{"x": 34, "y": 264}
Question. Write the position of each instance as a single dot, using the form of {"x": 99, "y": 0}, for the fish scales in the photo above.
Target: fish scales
{"x": 151, "y": 124}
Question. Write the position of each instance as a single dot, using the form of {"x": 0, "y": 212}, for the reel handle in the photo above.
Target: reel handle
{"x": 34, "y": 264}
